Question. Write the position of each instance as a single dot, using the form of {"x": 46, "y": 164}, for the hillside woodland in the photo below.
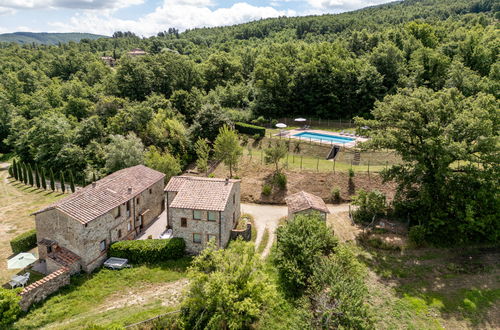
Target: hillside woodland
{"x": 425, "y": 71}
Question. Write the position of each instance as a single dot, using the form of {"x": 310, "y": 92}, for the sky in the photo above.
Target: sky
{"x": 148, "y": 17}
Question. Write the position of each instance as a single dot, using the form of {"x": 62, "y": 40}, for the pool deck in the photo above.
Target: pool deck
{"x": 292, "y": 132}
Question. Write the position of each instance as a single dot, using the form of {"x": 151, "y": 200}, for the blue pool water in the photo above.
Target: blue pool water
{"x": 324, "y": 137}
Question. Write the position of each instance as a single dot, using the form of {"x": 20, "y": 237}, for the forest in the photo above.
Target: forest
{"x": 62, "y": 107}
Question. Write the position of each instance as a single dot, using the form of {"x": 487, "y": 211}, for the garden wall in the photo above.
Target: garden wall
{"x": 41, "y": 289}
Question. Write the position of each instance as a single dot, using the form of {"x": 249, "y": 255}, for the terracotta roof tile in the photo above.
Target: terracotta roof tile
{"x": 302, "y": 201}
{"x": 93, "y": 201}
{"x": 199, "y": 193}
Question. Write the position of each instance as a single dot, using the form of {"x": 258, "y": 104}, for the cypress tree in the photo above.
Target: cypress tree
{"x": 93, "y": 177}
{"x": 11, "y": 171}
{"x": 37, "y": 177}
{"x": 20, "y": 171}
{"x": 14, "y": 168}
{"x": 71, "y": 181}
{"x": 30, "y": 175}
{"x": 42, "y": 179}
{"x": 52, "y": 181}
{"x": 25, "y": 174}
{"x": 63, "y": 184}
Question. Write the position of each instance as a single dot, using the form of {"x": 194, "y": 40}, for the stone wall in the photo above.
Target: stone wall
{"x": 41, "y": 289}
{"x": 246, "y": 233}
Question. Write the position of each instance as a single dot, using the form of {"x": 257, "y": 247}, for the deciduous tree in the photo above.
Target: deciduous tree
{"x": 227, "y": 148}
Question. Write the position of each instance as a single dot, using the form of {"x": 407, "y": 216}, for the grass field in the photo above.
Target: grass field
{"x": 17, "y": 202}
{"x": 109, "y": 297}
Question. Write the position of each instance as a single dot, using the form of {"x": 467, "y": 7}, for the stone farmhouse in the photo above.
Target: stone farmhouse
{"x": 76, "y": 231}
{"x": 201, "y": 209}
{"x": 305, "y": 203}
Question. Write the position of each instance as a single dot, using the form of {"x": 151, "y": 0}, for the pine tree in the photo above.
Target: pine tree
{"x": 42, "y": 179}
{"x": 37, "y": 177}
{"x": 71, "y": 181}
{"x": 63, "y": 184}
{"x": 20, "y": 171}
{"x": 52, "y": 181}
{"x": 30, "y": 175}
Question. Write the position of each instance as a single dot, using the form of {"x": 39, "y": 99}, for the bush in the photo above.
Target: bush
{"x": 370, "y": 204}
{"x": 339, "y": 292}
{"x": 416, "y": 235}
{"x": 256, "y": 137}
{"x": 280, "y": 180}
{"x": 24, "y": 242}
{"x": 266, "y": 189}
{"x": 9, "y": 307}
{"x": 335, "y": 193}
{"x": 148, "y": 251}
{"x": 351, "y": 173}
{"x": 301, "y": 243}
{"x": 250, "y": 129}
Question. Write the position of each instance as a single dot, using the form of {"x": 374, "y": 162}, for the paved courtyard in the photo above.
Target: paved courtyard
{"x": 156, "y": 228}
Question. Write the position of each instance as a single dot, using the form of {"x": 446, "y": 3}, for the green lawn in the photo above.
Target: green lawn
{"x": 107, "y": 297}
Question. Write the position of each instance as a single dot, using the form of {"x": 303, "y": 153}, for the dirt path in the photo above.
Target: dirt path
{"x": 268, "y": 216}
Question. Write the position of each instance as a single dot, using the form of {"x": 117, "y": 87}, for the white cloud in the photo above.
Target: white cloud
{"x": 343, "y": 5}
{"x": 71, "y": 4}
{"x": 181, "y": 14}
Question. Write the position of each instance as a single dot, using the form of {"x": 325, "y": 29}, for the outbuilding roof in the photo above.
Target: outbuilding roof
{"x": 302, "y": 201}
{"x": 197, "y": 193}
{"x": 104, "y": 195}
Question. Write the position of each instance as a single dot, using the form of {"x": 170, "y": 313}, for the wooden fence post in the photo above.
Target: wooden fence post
{"x": 301, "y": 161}
{"x": 334, "y": 160}
{"x": 317, "y": 165}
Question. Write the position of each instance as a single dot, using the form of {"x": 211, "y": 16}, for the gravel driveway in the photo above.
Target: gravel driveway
{"x": 268, "y": 216}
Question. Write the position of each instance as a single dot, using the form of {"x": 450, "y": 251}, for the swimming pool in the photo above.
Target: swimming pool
{"x": 324, "y": 137}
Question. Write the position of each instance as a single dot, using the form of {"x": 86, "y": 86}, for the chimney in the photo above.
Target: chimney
{"x": 94, "y": 184}
{"x": 227, "y": 180}
{"x": 129, "y": 190}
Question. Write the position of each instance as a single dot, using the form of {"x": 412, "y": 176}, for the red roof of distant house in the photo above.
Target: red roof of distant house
{"x": 137, "y": 51}
{"x": 302, "y": 201}
{"x": 199, "y": 193}
{"x": 104, "y": 195}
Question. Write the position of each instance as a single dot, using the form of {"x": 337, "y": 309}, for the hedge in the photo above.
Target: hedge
{"x": 250, "y": 129}
{"x": 148, "y": 250}
{"x": 24, "y": 242}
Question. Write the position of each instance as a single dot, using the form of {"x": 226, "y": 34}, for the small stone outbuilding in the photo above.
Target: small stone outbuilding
{"x": 305, "y": 203}
{"x": 201, "y": 209}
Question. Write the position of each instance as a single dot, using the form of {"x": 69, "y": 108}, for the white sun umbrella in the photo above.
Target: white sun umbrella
{"x": 21, "y": 260}
{"x": 281, "y": 126}
{"x": 300, "y": 119}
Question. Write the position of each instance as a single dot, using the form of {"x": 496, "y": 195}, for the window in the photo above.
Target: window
{"x": 211, "y": 237}
{"x": 102, "y": 245}
{"x": 234, "y": 218}
{"x": 212, "y": 216}
{"x": 129, "y": 226}
{"x": 128, "y": 209}
{"x": 197, "y": 215}
{"x": 234, "y": 199}
{"x": 117, "y": 212}
{"x": 49, "y": 249}
{"x": 119, "y": 233}
{"x": 184, "y": 222}
{"x": 138, "y": 200}
{"x": 197, "y": 238}
{"x": 150, "y": 191}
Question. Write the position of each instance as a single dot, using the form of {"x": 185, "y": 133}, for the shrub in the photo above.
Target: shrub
{"x": 148, "y": 251}
{"x": 9, "y": 306}
{"x": 339, "y": 293}
{"x": 266, "y": 189}
{"x": 259, "y": 121}
{"x": 416, "y": 235}
{"x": 250, "y": 129}
{"x": 351, "y": 173}
{"x": 335, "y": 193}
{"x": 256, "y": 137}
{"x": 280, "y": 180}
{"x": 301, "y": 243}
{"x": 370, "y": 204}
{"x": 24, "y": 242}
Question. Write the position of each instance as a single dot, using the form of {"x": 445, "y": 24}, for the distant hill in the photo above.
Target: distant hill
{"x": 46, "y": 38}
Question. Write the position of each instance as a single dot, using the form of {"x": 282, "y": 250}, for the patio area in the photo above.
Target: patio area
{"x": 156, "y": 229}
